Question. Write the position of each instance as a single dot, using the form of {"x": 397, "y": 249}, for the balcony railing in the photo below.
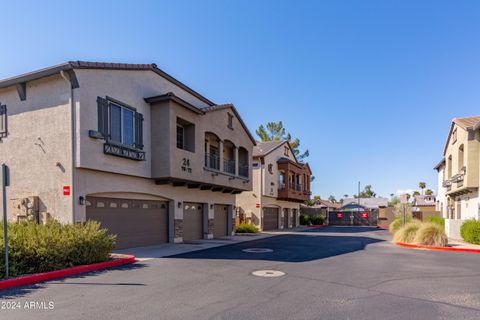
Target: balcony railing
{"x": 229, "y": 166}
{"x": 212, "y": 161}
{"x": 295, "y": 186}
{"x": 243, "y": 171}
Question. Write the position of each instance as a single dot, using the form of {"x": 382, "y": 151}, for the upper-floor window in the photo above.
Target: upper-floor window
{"x": 230, "y": 121}
{"x": 285, "y": 151}
{"x": 180, "y": 137}
{"x": 3, "y": 121}
{"x": 185, "y": 134}
{"x": 120, "y": 123}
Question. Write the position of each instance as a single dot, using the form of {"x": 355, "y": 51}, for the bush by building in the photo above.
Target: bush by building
{"x": 431, "y": 234}
{"x": 246, "y": 228}
{"x": 305, "y": 220}
{"x": 470, "y": 231}
{"x": 437, "y": 220}
{"x": 35, "y": 248}
{"x": 407, "y": 233}
{"x": 317, "y": 219}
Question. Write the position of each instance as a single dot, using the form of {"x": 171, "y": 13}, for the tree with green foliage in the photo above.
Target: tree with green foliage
{"x": 332, "y": 199}
{"x": 366, "y": 193}
{"x": 429, "y": 192}
{"x": 422, "y": 185}
{"x": 415, "y": 193}
{"x": 274, "y": 131}
{"x": 394, "y": 200}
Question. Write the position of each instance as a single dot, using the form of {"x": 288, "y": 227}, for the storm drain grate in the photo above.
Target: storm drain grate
{"x": 268, "y": 273}
{"x": 257, "y": 250}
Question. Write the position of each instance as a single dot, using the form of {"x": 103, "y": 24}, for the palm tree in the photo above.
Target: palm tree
{"x": 429, "y": 192}
{"x": 422, "y": 185}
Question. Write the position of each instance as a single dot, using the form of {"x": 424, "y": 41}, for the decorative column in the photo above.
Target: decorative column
{"x": 235, "y": 158}
{"x": 220, "y": 155}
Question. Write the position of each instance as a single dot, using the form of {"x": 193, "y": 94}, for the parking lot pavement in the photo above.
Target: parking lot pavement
{"x": 327, "y": 273}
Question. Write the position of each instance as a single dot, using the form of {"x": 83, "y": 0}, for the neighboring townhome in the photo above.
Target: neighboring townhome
{"x": 423, "y": 206}
{"x": 280, "y": 184}
{"x": 440, "y": 198}
{"x": 461, "y": 173}
{"x": 124, "y": 144}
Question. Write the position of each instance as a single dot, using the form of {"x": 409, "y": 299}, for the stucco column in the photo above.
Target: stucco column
{"x": 175, "y": 221}
{"x": 230, "y": 219}
{"x": 220, "y": 154}
{"x": 281, "y": 217}
{"x": 208, "y": 214}
{"x": 235, "y": 157}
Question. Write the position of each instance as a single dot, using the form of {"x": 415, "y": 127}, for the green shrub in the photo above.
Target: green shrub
{"x": 305, "y": 219}
{"x": 246, "y": 228}
{"x": 37, "y": 248}
{"x": 407, "y": 233}
{"x": 431, "y": 234}
{"x": 397, "y": 223}
{"x": 317, "y": 219}
{"x": 437, "y": 220}
{"x": 470, "y": 231}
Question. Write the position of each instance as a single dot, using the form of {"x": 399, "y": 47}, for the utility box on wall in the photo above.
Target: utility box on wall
{"x": 25, "y": 209}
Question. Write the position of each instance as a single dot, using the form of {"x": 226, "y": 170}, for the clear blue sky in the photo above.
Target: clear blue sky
{"x": 369, "y": 87}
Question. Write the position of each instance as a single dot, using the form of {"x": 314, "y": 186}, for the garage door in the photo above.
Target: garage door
{"x": 192, "y": 221}
{"x": 136, "y": 223}
{"x": 270, "y": 218}
{"x": 220, "y": 221}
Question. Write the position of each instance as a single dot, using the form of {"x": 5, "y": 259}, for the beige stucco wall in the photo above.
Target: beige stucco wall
{"x": 37, "y": 149}
{"x": 265, "y": 188}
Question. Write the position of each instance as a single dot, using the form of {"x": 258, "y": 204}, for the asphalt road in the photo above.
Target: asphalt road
{"x": 330, "y": 273}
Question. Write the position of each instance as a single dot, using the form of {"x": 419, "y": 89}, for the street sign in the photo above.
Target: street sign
{"x": 66, "y": 190}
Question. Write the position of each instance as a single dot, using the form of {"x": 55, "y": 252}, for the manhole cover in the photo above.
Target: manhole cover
{"x": 257, "y": 250}
{"x": 268, "y": 273}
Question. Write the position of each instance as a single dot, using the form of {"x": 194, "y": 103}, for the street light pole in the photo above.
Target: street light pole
{"x": 5, "y": 183}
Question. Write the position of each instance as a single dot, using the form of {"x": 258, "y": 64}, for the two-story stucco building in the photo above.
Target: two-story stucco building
{"x": 280, "y": 184}
{"x": 459, "y": 174}
{"x": 125, "y": 144}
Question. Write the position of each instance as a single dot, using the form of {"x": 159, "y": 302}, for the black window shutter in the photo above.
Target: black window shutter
{"x": 3, "y": 119}
{"x": 103, "y": 126}
{"x": 138, "y": 130}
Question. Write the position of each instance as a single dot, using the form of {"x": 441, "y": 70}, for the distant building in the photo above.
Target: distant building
{"x": 368, "y": 203}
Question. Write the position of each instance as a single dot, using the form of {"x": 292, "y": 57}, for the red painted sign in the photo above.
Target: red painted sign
{"x": 364, "y": 215}
{"x": 66, "y": 190}
{"x": 339, "y": 215}
{"x": 257, "y": 205}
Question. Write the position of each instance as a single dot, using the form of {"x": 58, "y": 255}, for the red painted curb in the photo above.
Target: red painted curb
{"x": 382, "y": 227}
{"x": 40, "y": 277}
{"x": 416, "y": 246}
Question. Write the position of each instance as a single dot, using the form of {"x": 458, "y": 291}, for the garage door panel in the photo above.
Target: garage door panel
{"x": 220, "y": 221}
{"x": 192, "y": 221}
{"x": 270, "y": 218}
{"x": 134, "y": 222}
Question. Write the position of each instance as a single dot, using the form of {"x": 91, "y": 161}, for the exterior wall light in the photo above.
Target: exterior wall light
{"x": 211, "y": 206}
{"x": 81, "y": 200}
{"x": 179, "y": 204}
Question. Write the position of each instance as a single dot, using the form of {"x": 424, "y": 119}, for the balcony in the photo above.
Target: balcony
{"x": 292, "y": 192}
{"x": 229, "y": 166}
{"x": 212, "y": 161}
{"x": 243, "y": 171}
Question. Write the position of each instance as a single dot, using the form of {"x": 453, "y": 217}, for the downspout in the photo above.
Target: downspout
{"x": 72, "y": 142}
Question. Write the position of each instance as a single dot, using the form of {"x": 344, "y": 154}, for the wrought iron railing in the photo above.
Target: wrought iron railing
{"x": 229, "y": 166}
{"x": 212, "y": 161}
{"x": 243, "y": 171}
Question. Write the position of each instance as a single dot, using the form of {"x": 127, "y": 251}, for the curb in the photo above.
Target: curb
{"x": 382, "y": 227}
{"x": 416, "y": 246}
{"x": 45, "y": 276}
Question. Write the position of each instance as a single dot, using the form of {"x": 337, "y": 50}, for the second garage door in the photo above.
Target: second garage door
{"x": 220, "y": 221}
{"x": 270, "y": 218}
{"x": 192, "y": 221}
{"x": 136, "y": 223}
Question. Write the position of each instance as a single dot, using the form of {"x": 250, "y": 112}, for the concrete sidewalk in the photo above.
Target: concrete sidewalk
{"x": 169, "y": 249}
{"x": 458, "y": 244}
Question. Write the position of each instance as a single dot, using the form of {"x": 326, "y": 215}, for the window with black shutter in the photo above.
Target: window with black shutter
{"x": 3, "y": 121}
{"x": 122, "y": 128}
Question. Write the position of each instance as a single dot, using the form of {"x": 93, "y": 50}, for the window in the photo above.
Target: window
{"x": 122, "y": 124}
{"x": 3, "y": 121}
{"x": 180, "y": 137}
{"x": 230, "y": 121}
{"x": 119, "y": 123}
{"x": 185, "y": 135}
{"x": 454, "y": 136}
{"x": 286, "y": 151}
